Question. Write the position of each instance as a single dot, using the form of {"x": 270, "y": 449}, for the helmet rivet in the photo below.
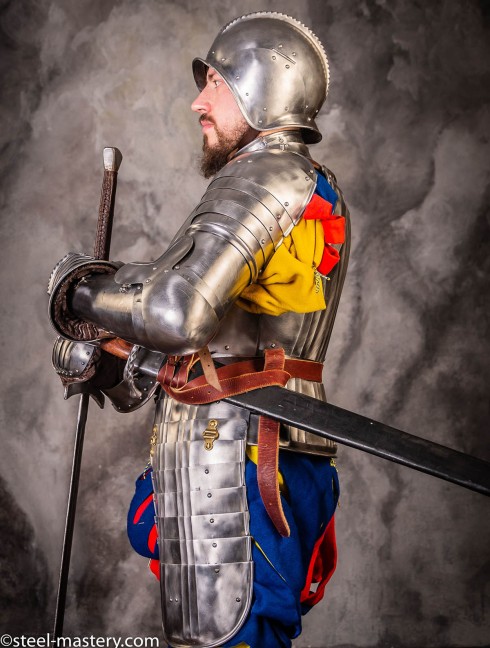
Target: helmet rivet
{"x": 293, "y": 53}
{"x": 273, "y": 58}
{"x": 212, "y": 52}
{"x": 309, "y": 118}
{"x": 280, "y": 45}
{"x": 286, "y": 204}
{"x": 265, "y": 108}
{"x": 287, "y": 67}
{"x": 286, "y": 108}
{"x": 237, "y": 78}
{"x": 260, "y": 121}
{"x": 238, "y": 600}
{"x": 270, "y": 228}
{"x": 246, "y": 94}
{"x": 223, "y": 60}
{"x": 306, "y": 106}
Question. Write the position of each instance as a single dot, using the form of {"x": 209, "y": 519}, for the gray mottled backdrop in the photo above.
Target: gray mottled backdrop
{"x": 406, "y": 131}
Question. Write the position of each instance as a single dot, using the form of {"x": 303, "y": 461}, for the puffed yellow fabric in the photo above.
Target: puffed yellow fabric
{"x": 290, "y": 281}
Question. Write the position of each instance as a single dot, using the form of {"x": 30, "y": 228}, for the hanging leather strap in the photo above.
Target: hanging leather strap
{"x": 268, "y": 459}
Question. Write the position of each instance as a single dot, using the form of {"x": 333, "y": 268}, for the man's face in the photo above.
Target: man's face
{"x": 223, "y": 125}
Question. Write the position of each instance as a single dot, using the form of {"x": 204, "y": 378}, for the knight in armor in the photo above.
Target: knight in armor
{"x": 235, "y": 512}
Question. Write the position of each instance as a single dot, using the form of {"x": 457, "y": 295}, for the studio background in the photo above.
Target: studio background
{"x": 406, "y": 129}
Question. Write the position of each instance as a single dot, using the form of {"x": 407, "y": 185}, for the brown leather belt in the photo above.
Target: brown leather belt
{"x": 237, "y": 378}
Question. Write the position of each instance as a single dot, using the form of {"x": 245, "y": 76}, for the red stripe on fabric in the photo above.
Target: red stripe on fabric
{"x": 142, "y": 508}
{"x": 322, "y": 565}
{"x": 154, "y": 566}
{"x": 152, "y": 538}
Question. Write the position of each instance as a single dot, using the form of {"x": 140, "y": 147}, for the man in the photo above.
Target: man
{"x": 250, "y": 284}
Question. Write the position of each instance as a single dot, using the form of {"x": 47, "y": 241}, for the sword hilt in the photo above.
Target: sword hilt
{"x": 112, "y": 162}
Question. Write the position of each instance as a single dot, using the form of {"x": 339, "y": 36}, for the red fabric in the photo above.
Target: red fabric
{"x": 154, "y": 566}
{"x": 333, "y": 230}
{"x": 152, "y": 538}
{"x": 141, "y": 508}
{"x": 322, "y": 565}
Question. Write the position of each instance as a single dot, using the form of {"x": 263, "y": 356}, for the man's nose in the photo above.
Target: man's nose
{"x": 201, "y": 103}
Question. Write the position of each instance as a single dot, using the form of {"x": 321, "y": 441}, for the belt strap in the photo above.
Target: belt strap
{"x": 238, "y": 378}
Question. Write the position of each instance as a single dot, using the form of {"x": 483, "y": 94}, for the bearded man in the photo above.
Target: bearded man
{"x": 240, "y": 535}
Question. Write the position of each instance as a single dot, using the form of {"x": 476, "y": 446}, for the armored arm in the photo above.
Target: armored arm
{"x": 175, "y": 304}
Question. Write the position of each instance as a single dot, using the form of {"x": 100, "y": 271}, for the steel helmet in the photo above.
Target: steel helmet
{"x": 276, "y": 68}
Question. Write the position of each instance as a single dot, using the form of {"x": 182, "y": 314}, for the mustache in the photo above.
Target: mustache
{"x": 205, "y": 117}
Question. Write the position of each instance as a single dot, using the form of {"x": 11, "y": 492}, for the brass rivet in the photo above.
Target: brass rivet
{"x": 286, "y": 204}
{"x": 215, "y": 544}
{"x": 273, "y": 58}
{"x": 212, "y": 520}
{"x": 210, "y": 495}
{"x": 238, "y": 599}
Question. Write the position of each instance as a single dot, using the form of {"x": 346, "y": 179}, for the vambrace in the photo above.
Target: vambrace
{"x": 176, "y": 303}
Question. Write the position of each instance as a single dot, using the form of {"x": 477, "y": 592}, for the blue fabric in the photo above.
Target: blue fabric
{"x": 324, "y": 189}
{"x": 313, "y": 490}
{"x": 138, "y": 533}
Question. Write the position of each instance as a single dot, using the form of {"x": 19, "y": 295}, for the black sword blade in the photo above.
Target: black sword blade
{"x": 349, "y": 428}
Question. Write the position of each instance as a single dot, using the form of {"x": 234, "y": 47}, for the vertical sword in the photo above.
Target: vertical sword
{"x": 112, "y": 161}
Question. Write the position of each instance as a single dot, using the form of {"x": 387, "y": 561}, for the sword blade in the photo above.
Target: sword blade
{"x": 357, "y": 431}
{"x": 341, "y": 425}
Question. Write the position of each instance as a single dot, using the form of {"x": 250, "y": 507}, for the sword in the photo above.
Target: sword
{"x": 348, "y": 428}
{"x": 112, "y": 161}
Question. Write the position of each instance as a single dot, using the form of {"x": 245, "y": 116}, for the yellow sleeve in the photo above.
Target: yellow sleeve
{"x": 290, "y": 281}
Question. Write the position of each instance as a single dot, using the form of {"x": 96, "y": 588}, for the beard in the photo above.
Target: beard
{"x": 215, "y": 157}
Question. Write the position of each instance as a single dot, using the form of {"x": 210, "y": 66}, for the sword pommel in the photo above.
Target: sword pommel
{"x": 112, "y": 159}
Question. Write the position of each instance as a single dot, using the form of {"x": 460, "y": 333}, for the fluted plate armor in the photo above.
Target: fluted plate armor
{"x": 204, "y": 541}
